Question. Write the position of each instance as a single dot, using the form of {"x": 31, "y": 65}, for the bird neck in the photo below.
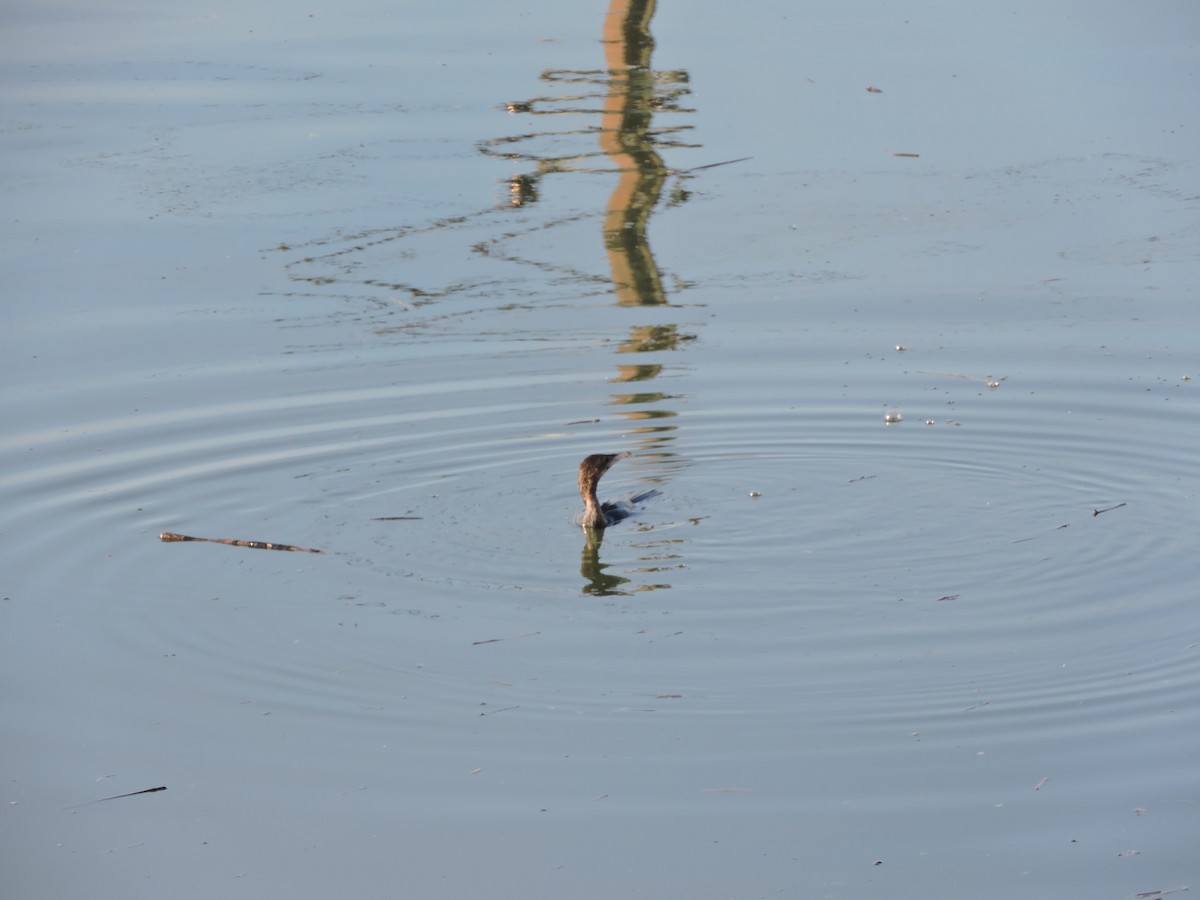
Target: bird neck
{"x": 593, "y": 516}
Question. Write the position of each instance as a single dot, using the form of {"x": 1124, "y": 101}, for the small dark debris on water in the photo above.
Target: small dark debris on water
{"x": 1156, "y": 895}
{"x": 947, "y": 597}
{"x": 1095, "y": 512}
{"x": 860, "y": 478}
{"x": 397, "y": 518}
{"x": 582, "y": 422}
{"x": 725, "y": 162}
{"x": 1056, "y": 528}
{"x": 499, "y": 639}
{"x": 492, "y": 712}
{"x": 119, "y": 796}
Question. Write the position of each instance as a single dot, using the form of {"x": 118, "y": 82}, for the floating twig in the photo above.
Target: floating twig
{"x": 1095, "y": 512}
{"x": 511, "y": 638}
{"x": 713, "y": 165}
{"x": 1057, "y": 528}
{"x": 168, "y": 537}
{"x": 988, "y": 380}
{"x": 1155, "y": 895}
{"x": 492, "y": 712}
{"x": 118, "y": 796}
{"x": 396, "y": 518}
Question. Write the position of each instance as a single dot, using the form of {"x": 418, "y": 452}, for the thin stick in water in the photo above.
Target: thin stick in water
{"x": 714, "y": 165}
{"x": 169, "y": 537}
{"x": 499, "y": 639}
{"x": 118, "y": 796}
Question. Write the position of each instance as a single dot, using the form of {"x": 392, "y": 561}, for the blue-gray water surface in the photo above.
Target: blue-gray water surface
{"x": 895, "y": 309}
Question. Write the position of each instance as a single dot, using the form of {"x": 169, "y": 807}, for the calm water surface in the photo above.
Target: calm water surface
{"x": 372, "y": 280}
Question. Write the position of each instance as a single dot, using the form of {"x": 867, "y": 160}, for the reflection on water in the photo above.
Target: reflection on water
{"x": 638, "y": 110}
{"x": 627, "y": 136}
{"x": 598, "y": 582}
{"x": 627, "y": 98}
{"x": 632, "y": 93}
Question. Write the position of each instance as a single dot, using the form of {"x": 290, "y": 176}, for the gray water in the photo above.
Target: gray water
{"x": 373, "y": 279}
